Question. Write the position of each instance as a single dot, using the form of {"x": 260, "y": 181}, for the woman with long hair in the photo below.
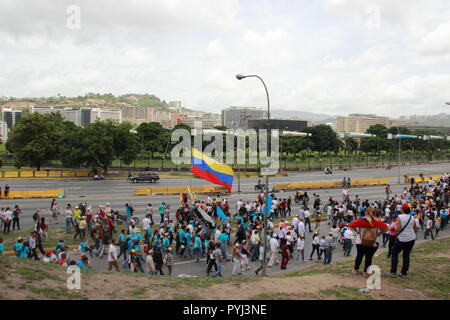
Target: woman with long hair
{"x": 368, "y": 228}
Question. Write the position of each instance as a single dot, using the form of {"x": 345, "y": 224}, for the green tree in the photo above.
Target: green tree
{"x": 36, "y": 139}
{"x": 126, "y": 144}
{"x": 153, "y": 137}
{"x": 323, "y": 138}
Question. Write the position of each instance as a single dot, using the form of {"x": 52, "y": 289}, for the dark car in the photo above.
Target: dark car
{"x": 145, "y": 176}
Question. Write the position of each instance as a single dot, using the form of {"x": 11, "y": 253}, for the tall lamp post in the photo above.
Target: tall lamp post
{"x": 264, "y": 262}
{"x": 399, "y": 153}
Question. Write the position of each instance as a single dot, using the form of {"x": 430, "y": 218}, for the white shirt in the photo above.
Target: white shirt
{"x": 300, "y": 244}
{"x": 146, "y": 223}
{"x": 149, "y": 210}
{"x": 295, "y": 222}
{"x": 7, "y": 215}
{"x": 112, "y": 251}
{"x": 273, "y": 244}
{"x": 408, "y": 233}
{"x": 301, "y": 227}
{"x": 348, "y": 234}
{"x": 307, "y": 214}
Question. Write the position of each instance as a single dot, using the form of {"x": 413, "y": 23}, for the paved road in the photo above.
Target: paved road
{"x": 140, "y": 202}
{"x": 86, "y": 188}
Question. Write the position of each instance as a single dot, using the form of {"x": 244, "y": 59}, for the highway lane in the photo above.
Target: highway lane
{"x": 140, "y": 202}
{"x": 87, "y": 187}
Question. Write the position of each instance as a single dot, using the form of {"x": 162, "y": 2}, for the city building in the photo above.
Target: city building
{"x": 85, "y": 116}
{"x": 11, "y": 117}
{"x": 359, "y": 123}
{"x": 236, "y": 117}
{"x": 280, "y": 124}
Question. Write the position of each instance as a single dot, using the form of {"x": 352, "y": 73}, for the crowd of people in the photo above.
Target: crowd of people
{"x": 211, "y": 229}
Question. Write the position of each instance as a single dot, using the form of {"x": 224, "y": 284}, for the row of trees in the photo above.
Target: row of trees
{"x": 38, "y": 139}
{"x": 324, "y": 139}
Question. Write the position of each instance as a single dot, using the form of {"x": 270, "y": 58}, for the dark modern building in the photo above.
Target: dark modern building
{"x": 11, "y": 117}
{"x": 85, "y": 116}
{"x": 288, "y": 125}
{"x": 237, "y": 117}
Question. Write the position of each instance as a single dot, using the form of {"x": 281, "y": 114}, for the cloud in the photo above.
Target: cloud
{"x": 319, "y": 56}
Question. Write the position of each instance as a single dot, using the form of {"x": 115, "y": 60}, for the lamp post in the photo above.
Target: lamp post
{"x": 264, "y": 262}
{"x": 399, "y": 153}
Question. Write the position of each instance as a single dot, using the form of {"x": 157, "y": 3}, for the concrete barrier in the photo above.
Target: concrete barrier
{"x": 326, "y": 184}
{"x": 28, "y": 194}
{"x": 26, "y": 174}
{"x": 176, "y": 190}
{"x": 11, "y": 174}
{"x": 41, "y": 174}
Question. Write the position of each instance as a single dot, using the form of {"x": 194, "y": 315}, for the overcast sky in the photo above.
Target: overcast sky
{"x": 329, "y": 56}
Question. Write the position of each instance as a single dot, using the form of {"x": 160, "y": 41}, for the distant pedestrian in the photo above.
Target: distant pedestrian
{"x": 6, "y": 191}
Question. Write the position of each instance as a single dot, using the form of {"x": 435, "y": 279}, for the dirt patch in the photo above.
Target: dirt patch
{"x": 306, "y": 287}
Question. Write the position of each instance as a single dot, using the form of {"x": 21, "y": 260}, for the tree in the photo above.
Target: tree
{"x": 153, "y": 137}
{"x": 126, "y": 145}
{"x": 350, "y": 144}
{"x": 323, "y": 138}
{"x": 36, "y": 139}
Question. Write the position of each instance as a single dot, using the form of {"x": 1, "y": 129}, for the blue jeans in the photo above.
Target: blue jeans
{"x": 197, "y": 254}
{"x": 255, "y": 252}
{"x": 187, "y": 250}
{"x": 328, "y": 255}
{"x": 68, "y": 226}
{"x": 224, "y": 253}
{"x": 218, "y": 273}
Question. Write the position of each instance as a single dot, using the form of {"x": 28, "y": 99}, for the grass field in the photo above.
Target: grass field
{"x": 429, "y": 278}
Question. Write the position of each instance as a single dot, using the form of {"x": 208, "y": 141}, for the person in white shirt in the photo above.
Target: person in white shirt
{"x": 295, "y": 222}
{"x": 112, "y": 256}
{"x": 146, "y": 222}
{"x": 149, "y": 212}
{"x": 406, "y": 228}
{"x": 307, "y": 214}
{"x": 347, "y": 236}
{"x": 301, "y": 227}
{"x": 300, "y": 248}
{"x": 7, "y": 218}
{"x": 273, "y": 243}
{"x": 315, "y": 246}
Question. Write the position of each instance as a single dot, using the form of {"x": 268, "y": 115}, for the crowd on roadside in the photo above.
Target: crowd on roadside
{"x": 211, "y": 229}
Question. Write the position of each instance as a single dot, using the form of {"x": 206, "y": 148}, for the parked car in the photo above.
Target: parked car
{"x": 145, "y": 176}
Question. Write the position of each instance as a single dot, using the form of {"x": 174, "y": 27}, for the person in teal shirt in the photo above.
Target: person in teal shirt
{"x": 25, "y": 251}
{"x": 197, "y": 247}
{"x": 18, "y": 247}
{"x": 83, "y": 245}
{"x": 136, "y": 236}
{"x": 223, "y": 238}
{"x": 166, "y": 242}
{"x": 187, "y": 250}
{"x": 162, "y": 210}
{"x": 2, "y": 248}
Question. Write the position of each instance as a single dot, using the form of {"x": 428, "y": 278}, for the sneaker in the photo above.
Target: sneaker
{"x": 401, "y": 275}
{"x": 390, "y": 274}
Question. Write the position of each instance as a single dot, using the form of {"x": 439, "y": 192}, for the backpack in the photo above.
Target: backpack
{"x": 368, "y": 237}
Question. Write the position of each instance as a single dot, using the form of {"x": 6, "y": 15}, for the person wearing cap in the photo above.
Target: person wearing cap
{"x": 273, "y": 244}
{"x": 315, "y": 247}
{"x": 328, "y": 254}
{"x": 18, "y": 246}
{"x": 236, "y": 258}
{"x": 168, "y": 260}
{"x": 300, "y": 248}
{"x": 84, "y": 263}
{"x": 406, "y": 228}
{"x": 150, "y": 263}
{"x": 162, "y": 210}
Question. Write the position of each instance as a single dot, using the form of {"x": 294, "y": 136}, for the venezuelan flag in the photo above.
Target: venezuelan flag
{"x": 209, "y": 169}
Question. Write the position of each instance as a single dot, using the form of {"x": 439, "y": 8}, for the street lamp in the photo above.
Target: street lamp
{"x": 399, "y": 153}
{"x": 264, "y": 263}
